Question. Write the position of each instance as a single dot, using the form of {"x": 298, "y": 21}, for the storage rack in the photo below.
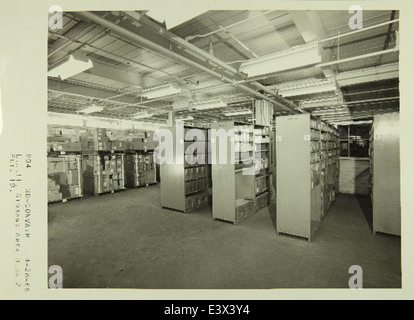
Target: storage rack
{"x": 241, "y": 184}
{"x": 141, "y": 169}
{"x": 262, "y": 147}
{"x": 386, "y": 174}
{"x": 185, "y": 186}
{"x": 64, "y": 177}
{"x": 64, "y": 164}
{"x": 103, "y": 172}
{"x": 305, "y": 194}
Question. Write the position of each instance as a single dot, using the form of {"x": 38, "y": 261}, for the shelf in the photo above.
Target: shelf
{"x": 195, "y": 193}
{"x": 262, "y": 192}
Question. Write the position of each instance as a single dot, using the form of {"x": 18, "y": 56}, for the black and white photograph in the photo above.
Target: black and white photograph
{"x": 224, "y": 149}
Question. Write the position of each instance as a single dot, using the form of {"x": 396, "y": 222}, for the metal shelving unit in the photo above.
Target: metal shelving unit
{"x": 386, "y": 174}
{"x": 240, "y": 177}
{"x": 185, "y": 186}
{"x": 307, "y": 173}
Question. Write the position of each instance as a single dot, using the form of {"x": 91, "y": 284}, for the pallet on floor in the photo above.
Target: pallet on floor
{"x": 65, "y": 200}
{"x": 109, "y": 192}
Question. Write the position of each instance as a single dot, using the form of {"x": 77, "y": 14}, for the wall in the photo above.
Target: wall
{"x": 354, "y": 176}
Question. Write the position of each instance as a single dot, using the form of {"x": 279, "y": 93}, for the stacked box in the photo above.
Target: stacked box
{"x": 64, "y": 178}
{"x": 54, "y": 194}
{"x": 118, "y": 145}
{"x": 103, "y": 173}
{"x": 63, "y": 140}
{"x": 96, "y": 140}
{"x": 140, "y": 170}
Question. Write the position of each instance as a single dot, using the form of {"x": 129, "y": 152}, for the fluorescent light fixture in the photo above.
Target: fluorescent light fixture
{"x": 306, "y": 87}
{"x": 72, "y": 66}
{"x": 93, "y": 109}
{"x": 142, "y": 115}
{"x": 238, "y": 113}
{"x": 209, "y": 105}
{"x": 162, "y": 91}
{"x": 184, "y": 119}
{"x": 385, "y": 72}
{"x": 321, "y": 103}
{"x": 299, "y": 57}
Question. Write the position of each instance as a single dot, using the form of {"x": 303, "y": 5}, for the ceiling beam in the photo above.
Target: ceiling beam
{"x": 134, "y": 79}
{"x": 311, "y": 28}
{"x": 65, "y": 87}
{"x": 163, "y": 42}
{"x": 309, "y": 25}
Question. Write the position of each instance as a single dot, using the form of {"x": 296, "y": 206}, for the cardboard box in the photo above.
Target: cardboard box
{"x": 58, "y": 178}
{"x": 56, "y": 166}
{"x": 73, "y": 178}
{"x": 137, "y": 144}
{"x": 55, "y": 197}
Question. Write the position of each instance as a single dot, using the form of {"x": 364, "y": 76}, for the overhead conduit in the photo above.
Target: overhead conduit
{"x": 194, "y": 51}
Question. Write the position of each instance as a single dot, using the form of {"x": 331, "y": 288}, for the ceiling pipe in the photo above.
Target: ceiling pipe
{"x": 359, "y": 31}
{"x": 365, "y": 56}
{"x": 241, "y": 77}
{"x": 135, "y": 38}
{"x": 189, "y": 38}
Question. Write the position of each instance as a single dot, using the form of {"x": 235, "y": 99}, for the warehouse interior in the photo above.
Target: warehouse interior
{"x": 314, "y": 99}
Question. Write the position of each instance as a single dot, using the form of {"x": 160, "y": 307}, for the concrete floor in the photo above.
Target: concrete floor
{"x": 126, "y": 240}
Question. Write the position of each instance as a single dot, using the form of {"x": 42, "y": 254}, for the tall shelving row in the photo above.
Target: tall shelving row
{"x": 185, "y": 179}
{"x": 262, "y": 148}
{"x": 307, "y": 173}
{"x": 240, "y": 174}
{"x": 385, "y": 174}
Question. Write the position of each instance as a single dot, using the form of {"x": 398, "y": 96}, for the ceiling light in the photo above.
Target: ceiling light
{"x": 384, "y": 72}
{"x": 184, "y": 119}
{"x": 294, "y": 58}
{"x": 306, "y": 87}
{"x": 320, "y": 103}
{"x": 208, "y": 105}
{"x": 72, "y": 66}
{"x": 238, "y": 113}
{"x": 162, "y": 91}
{"x": 93, "y": 109}
{"x": 141, "y": 115}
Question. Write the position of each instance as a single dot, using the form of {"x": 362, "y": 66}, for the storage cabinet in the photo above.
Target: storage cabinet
{"x": 385, "y": 174}
{"x": 185, "y": 179}
{"x": 307, "y": 173}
